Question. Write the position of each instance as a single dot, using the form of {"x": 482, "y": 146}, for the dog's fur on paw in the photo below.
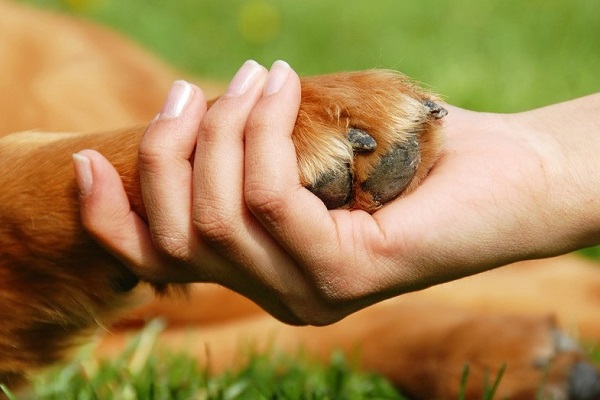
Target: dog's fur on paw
{"x": 364, "y": 138}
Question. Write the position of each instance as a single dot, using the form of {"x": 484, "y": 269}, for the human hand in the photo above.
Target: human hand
{"x": 507, "y": 188}
{"x": 171, "y": 247}
{"x": 254, "y": 228}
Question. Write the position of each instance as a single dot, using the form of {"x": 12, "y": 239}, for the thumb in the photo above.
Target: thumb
{"x": 107, "y": 216}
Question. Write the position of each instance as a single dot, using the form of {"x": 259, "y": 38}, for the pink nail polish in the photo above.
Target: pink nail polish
{"x": 244, "y": 78}
{"x": 179, "y": 96}
{"x": 83, "y": 174}
{"x": 280, "y": 70}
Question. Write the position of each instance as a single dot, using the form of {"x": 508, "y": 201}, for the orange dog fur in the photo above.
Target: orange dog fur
{"x": 57, "y": 285}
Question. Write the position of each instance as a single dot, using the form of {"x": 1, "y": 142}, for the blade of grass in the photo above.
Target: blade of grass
{"x": 463, "y": 382}
{"x": 491, "y": 392}
{"x": 7, "y": 392}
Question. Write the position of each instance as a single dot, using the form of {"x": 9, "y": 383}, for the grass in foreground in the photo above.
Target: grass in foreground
{"x": 141, "y": 372}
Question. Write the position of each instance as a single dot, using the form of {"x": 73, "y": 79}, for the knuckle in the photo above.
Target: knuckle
{"x": 263, "y": 200}
{"x": 337, "y": 291}
{"x": 215, "y": 227}
{"x": 212, "y": 126}
{"x": 172, "y": 245}
{"x": 215, "y": 232}
{"x": 330, "y": 296}
{"x": 224, "y": 117}
{"x": 149, "y": 158}
{"x": 257, "y": 123}
{"x": 106, "y": 224}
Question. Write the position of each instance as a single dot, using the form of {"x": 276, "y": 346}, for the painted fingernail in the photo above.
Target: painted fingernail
{"x": 244, "y": 78}
{"x": 179, "y": 96}
{"x": 278, "y": 74}
{"x": 83, "y": 174}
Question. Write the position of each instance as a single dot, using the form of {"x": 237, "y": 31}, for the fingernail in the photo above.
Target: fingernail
{"x": 244, "y": 78}
{"x": 178, "y": 97}
{"x": 277, "y": 77}
{"x": 83, "y": 174}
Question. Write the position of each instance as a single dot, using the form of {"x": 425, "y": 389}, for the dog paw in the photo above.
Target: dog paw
{"x": 460, "y": 354}
{"x": 364, "y": 138}
{"x": 531, "y": 358}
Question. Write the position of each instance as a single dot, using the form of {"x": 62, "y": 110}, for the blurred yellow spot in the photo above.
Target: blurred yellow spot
{"x": 81, "y": 5}
{"x": 259, "y": 21}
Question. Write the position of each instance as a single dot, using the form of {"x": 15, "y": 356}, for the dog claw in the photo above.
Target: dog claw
{"x": 394, "y": 171}
{"x": 361, "y": 141}
{"x": 435, "y": 109}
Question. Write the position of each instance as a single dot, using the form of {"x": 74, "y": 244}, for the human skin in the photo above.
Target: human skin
{"x": 507, "y": 187}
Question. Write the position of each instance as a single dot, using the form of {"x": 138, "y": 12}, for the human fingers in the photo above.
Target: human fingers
{"x": 262, "y": 269}
{"x": 165, "y": 169}
{"x": 163, "y": 164}
{"x": 107, "y": 215}
{"x": 219, "y": 209}
{"x": 272, "y": 176}
{"x": 294, "y": 216}
{"x": 220, "y": 214}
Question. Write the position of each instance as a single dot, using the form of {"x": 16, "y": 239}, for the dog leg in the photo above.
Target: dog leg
{"x": 422, "y": 346}
{"x": 59, "y": 285}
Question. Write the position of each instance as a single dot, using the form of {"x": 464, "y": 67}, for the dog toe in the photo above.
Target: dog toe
{"x": 435, "y": 109}
{"x": 361, "y": 141}
{"x": 334, "y": 187}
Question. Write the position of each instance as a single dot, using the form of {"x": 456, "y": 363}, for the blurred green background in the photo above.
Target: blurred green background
{"x": 504, "y": 55}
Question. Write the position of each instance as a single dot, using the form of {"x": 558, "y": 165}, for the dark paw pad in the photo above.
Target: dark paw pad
{"x": 394, "y": 171}
{"x": 334, "y": 188}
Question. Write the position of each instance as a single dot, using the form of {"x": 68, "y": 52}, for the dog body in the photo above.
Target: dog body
{"x": 60, "y": 75}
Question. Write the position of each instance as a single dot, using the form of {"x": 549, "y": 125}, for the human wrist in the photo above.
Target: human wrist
{"x": 567, "y": 138}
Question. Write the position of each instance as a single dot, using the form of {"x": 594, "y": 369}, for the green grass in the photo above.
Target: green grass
{"x": 143, "y": 372}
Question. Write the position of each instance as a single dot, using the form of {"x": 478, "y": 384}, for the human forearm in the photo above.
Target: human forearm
{"x": 568, "y": 135}
{"x": 503, "y": 190}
